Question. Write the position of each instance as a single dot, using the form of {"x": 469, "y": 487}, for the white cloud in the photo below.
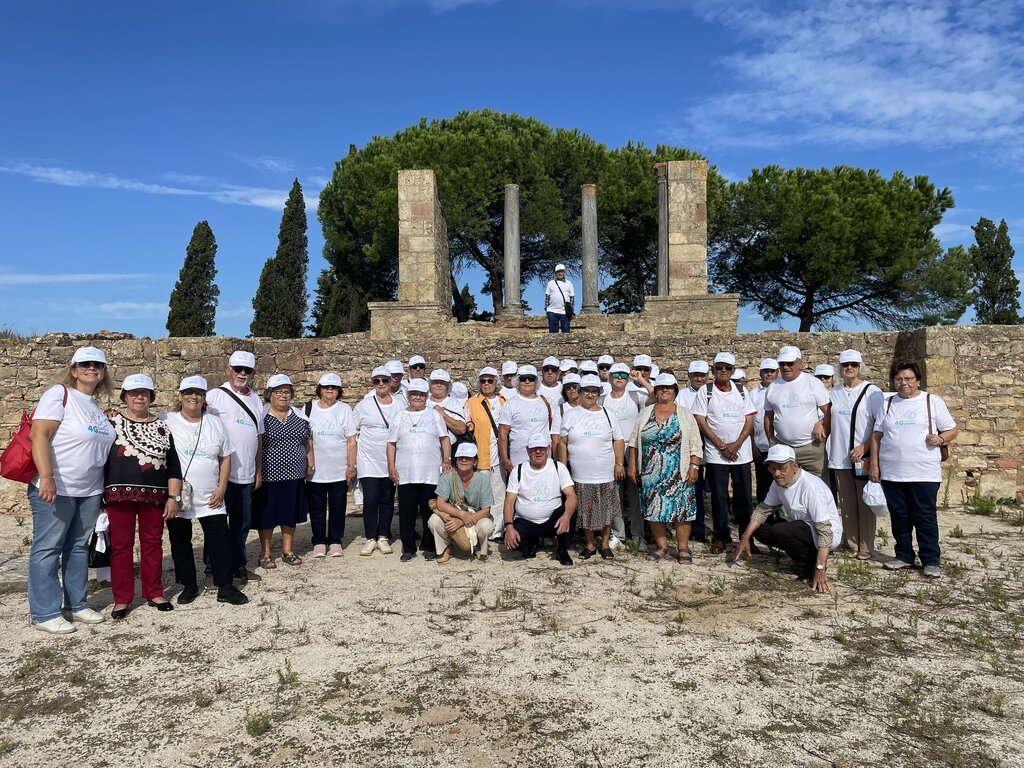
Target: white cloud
{"x": 13, "y": 278}
{"x": 951, "y": 233}
{"x": 265, "y": 163}
{"x": 132, "y": 310}
{"x": 940, "y": 73}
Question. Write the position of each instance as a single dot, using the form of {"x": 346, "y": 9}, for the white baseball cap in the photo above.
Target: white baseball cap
{"x": 88, "y": 354}
{"x": 824, "y": 370}
{"x": 278, "y": 380}
{"x": 769, "y": 364}
{"x": 330, "y": 380}
{"x": 418, "y": 385}
{"x": 665, "y": 380}
{"x": 781, "y": 454}
{"x": 725, "y": 357}
{"x": 137, "y": 381}
{"x": 592, "y": 381}
{"x": 243, "y": 359}
{"x": 526, "y": 370}
{"x": 606, "y": 360}
{"x": 488, "y": 371}
{"x": 440, "y": 374}
{"x": 850, "y": 356}
{"x": 551, "y": 362}
{"x": 466, "y": 450}
{"x": 416, "y": 360}
{"x": 788, "y": 354}
{"x": 559, "y": 267}
{"x": 379, "y": 371}
{"x": 395, "y": 367}
{"x": 738, "y": 374}
{"x": 642, "y": 361}
{"x": 459, "y": 390}
{"x": 655, "y": 370}
{"x": 538, "y": 440}
{"x": 698, "y": 366}
{"x": 193, "y": 382}
{"x": 588, "y": 366}
{"x": 570, "y": 378}
{"x": 619, "y": 368}
{"x": 509, "y": 367}
{"x": 567, "y": 365}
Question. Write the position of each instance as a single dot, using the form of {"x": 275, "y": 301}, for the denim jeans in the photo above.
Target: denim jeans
{"x": 699, "y": 530}
{"x": 378, "y": 506}
{"x": 327, "y": 499}
{"x": 60, "y": 532}
{"x": 557, "y": 322}
{"x": 238, "y": 502}
{"x": 912, "y": 509}
{"x": 718, "y": 477}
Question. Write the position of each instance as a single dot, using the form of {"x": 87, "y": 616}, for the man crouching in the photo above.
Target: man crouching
{"x": 798, "y": 516}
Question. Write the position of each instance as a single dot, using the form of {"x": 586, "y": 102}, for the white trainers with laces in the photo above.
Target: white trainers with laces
{"x": 368, "y": 547}
{"x": 88, "y": 616}
{"x": 384, "y": 546}
{"x": 56, "y": 626}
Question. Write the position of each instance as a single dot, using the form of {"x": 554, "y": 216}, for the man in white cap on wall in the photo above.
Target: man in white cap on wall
{"x": 240, "y": 409}
{"x": 791, "y": 408}
{"x": 483, "y": 411}
{"x": 798, "y": 516}
{"x": 509, "y": 369}
{"x": 622, "y": 407}
{"x": 558, "y": 300}
{"x": 725, "y": 417}
{"x": 523, "y": 415}
{"x": 768, "y": 372}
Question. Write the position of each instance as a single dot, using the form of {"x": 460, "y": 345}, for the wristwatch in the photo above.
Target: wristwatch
{"x": 176, "y": 498}
{"x": 818, "y": 567}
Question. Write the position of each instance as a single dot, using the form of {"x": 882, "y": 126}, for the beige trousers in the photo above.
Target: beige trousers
{"x": 483, "y": 527}
{"x": 859, "y": 521}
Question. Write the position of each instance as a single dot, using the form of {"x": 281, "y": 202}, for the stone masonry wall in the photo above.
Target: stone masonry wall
{"x": 977, "y": 369}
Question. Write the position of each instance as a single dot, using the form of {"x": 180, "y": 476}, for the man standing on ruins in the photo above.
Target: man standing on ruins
{"x": 558, "y": 299}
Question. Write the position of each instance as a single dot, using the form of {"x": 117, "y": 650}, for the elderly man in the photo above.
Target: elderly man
{"x": 550, "y": 386}
{"x": 558, "y": 299}
{"x": 604, "y": 371}
{"x": 397, "y": 371}
{"x": 540, "y": 501}
{"x": 417, "y": 368}
{"x": 791, "y": 408}
{"x": 523, "y": 415}
{"x": 725, "y": 417}
{"x": 769, "y": 371}
{"x": 798, "y": 516}
{"x": 240, "y": 409}
{"x": 483, "y": 411}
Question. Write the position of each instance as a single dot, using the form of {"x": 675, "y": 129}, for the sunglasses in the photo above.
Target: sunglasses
{"x": 381, "y": 380}
{"x": 786, "y": 365}
{"x": 849, "y": 365}
{"x": 604, "y": 367}
{"x": 92, "y": 364}
{"x": 528, "y": 378}
{"x": 241, "y": 369}
{"x": 550, "y": 368}
{"x": 724, "y": 367}
{"x": 417, "y": 367}
{"x": 641, "y": 370}
{"x": 193, "y": 393}
{"x": 570, "y": 386}
{"x": 620, "y": 375}
{"x": 488, "y": 381}
{"x": 823, "y": 378}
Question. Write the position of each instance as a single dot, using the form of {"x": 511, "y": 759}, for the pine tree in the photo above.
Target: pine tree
{"x": 997, "y": 286}
{"x": 193, "y": 303}
{"x": 281, "y": 301}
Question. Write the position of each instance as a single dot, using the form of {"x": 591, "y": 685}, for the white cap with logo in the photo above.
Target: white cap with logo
{"x": 87, "y": 355}
{"x": 466, "y": 450}
{"x": 417, "y": 360}
{"x": 769, "y": 364}
{"x": 788, "y": 355}
{"x": 418, "y": 385}
{"x": 193, "y": 382}
{"x": 330, "y": 380}
{"x": 825, "y": 370}
{"x": 509, "y": 368}
{"x": 278, "y": 380}
{"x": 698, "y": 366}
{"x": 850, "y": 356}
{"x": 137, "y": 381}
{"x": 726, "y": 357}
{"x": 781, "y": 454}
{"x": 591, "y": 381}
{"x": 440, "y": 374}
{"x": 242, "y": 359}
{"x": 538, "y": 440}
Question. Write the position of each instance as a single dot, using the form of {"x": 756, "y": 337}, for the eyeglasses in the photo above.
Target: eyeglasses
{"x": 488, "y": 381}
{"x": 604, "y": 367}
{"x": 905, "y": 379}
{"x": 241, "y": 369}
{"x": 823, "y": 378}
{"x": 697, "y": 375}
{"x": 381, "y": 380}
{"x": 418, "y": 367}
{"x": 281, "y": 393}
{"x": 138, "y": 393}
{"x": 591, "y": 391}
{"x": 193, "y": 393}
{"x": 724, "y": 367}
{"x": 92, "y": 364}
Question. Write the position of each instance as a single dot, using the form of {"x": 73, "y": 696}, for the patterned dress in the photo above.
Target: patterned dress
{"x": 282, "y": 497}
{"x": 665, "y": 496}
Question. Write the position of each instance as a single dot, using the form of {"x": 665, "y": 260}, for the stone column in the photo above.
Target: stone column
{"x": 513, "y": 295}
{"x": 661, "y": 286}
{"x": 684, "y": 216}
{"x": 589, "y": 199}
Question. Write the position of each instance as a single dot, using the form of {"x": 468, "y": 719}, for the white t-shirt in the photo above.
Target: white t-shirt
{"x": 843, "y": 401}
{"x": 726, "y": 413}
{"x": 373, "y": 432}
{"x": 685, "y": 398}
{"x": 553, "y": 296}
{"x": 624, "y": 409}
{"x": 524, "y": 417}
{"x": 539, "y": 491}
{"x": 243, "y": 433}
{"x": 553, "y": 394}
{"x": 417, "y": 438}
{"x": 508, "y": 392}
{"x": 807, "y": 498}
{"x": 495, "y": 405}
{"x": 794, "y": 408}
{"x": 80, "y": 444}
{"x": 757, "y": 400}
{"x": 903, "y": 455}
{"x": 331, "y": 429}
{"x": 589, "y": 436}
{"x": 401, "y": 397}
{"x": 200, "y": 448}
{"x": 453, "y": 407}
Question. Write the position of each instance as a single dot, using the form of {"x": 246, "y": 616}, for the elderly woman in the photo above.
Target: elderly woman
{"x": 204, "y": 450}
{"x": 853, "y": 418}
{"x": 570, "y": 398}
{"x": 287, "y": 462}
{"x": 592, "y": 446}
{"x": 334, "y": 458}
{"x": 911, "y": 430}
{"x": 664, "y": 453}
{"x": 418, "y": 453}
{"x": 70, "y": 441}
{"x": 464, "y": 500}
{"x": 142, "y": 481}
{"x": 373, "y": 417}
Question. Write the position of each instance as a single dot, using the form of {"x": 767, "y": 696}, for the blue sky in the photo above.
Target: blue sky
{"x": 123, "y": 124}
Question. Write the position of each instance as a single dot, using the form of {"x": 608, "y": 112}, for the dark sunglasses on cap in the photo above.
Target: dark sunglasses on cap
{"x": 381, "y": 380}
{"x": 91, "y": 364}
{"x": 241, "y": 369}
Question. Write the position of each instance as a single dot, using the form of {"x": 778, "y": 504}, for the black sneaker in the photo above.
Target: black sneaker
{"x": 429, "y": 555}
{"x": 231, "y": 595}
{"x": 406, "y": 557}
{"x": 563, "y": 557}
{"x": 188, "y": 594}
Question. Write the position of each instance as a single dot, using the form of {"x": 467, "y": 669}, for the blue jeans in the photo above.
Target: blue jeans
{"x": 323, "y": 497}
{"x": 60, "y": 531}
{"x": 238, "y": 502}
{"x": 557, "y": 322}
{"x": 717, "y": 478}
{"x": 912, "y": 509}
{"x": 699, "y": 530}
{"x": 378, "y": 506}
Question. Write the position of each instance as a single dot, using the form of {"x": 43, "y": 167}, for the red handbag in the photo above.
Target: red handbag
{"x": 16, "y": 461}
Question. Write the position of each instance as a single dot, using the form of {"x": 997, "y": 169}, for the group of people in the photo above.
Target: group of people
{"x": 603, "y": 451}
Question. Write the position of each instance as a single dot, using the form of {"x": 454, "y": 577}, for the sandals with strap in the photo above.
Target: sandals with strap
{"x": 684, "y": 559}
{"x": 267, "y": 563}
{"x": 291, "y": 558}
{"x": 657, "y": 554}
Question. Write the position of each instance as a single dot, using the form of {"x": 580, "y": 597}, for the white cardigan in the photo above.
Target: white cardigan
{"x": 690, "y": 443}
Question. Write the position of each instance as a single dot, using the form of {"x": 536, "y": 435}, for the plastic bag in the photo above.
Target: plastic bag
{"x": 874, "y": 497}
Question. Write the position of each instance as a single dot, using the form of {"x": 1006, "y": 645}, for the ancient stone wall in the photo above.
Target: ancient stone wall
{"x": 977, "y": 369}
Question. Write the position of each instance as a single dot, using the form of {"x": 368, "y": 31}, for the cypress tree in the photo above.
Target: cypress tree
{"x": 281, "y": 301}
{"x": 193, "y": 303}
{"x": 997, "y": 286}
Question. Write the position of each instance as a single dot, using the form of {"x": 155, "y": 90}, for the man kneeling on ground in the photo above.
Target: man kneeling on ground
{"x": 798, "y": 516}
{"x": 540, "y": 501}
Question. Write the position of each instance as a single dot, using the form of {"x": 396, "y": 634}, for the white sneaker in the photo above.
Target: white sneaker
{"x": 56, "y": 626}
{"x": 335, "y": 550}
{"x": 320, "y": 550}
{"x": 88, "y": 616}
{"x": 614, "y": 543}
{"x": 932, "y": 572}
{"x": 368, "y": 547}
{"x": 896, "y": 565}
{"x": 384, "y": 545}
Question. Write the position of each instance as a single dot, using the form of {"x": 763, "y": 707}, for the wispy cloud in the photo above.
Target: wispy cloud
{"x": 198, "y": 186}
{"x": 14, "y": 278}
{"x": 132, "y": 310}
{"x": 265, "y": 163}
{"x": 940, "y": 73}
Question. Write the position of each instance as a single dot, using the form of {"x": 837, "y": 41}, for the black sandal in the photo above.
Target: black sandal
{"x": 657, "y": 554}
{"x": 586, "y": 553}
{"x": 607, "y": 554}
{"x": 686, "y": 559}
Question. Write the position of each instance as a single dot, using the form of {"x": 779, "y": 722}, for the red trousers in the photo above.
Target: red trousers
{"x": 122, "y": 550}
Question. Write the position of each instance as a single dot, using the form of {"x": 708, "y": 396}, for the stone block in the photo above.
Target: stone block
{"x": 998, "y": 483}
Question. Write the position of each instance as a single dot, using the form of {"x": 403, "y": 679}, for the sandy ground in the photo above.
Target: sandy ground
{"x": 371, "y": 662}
